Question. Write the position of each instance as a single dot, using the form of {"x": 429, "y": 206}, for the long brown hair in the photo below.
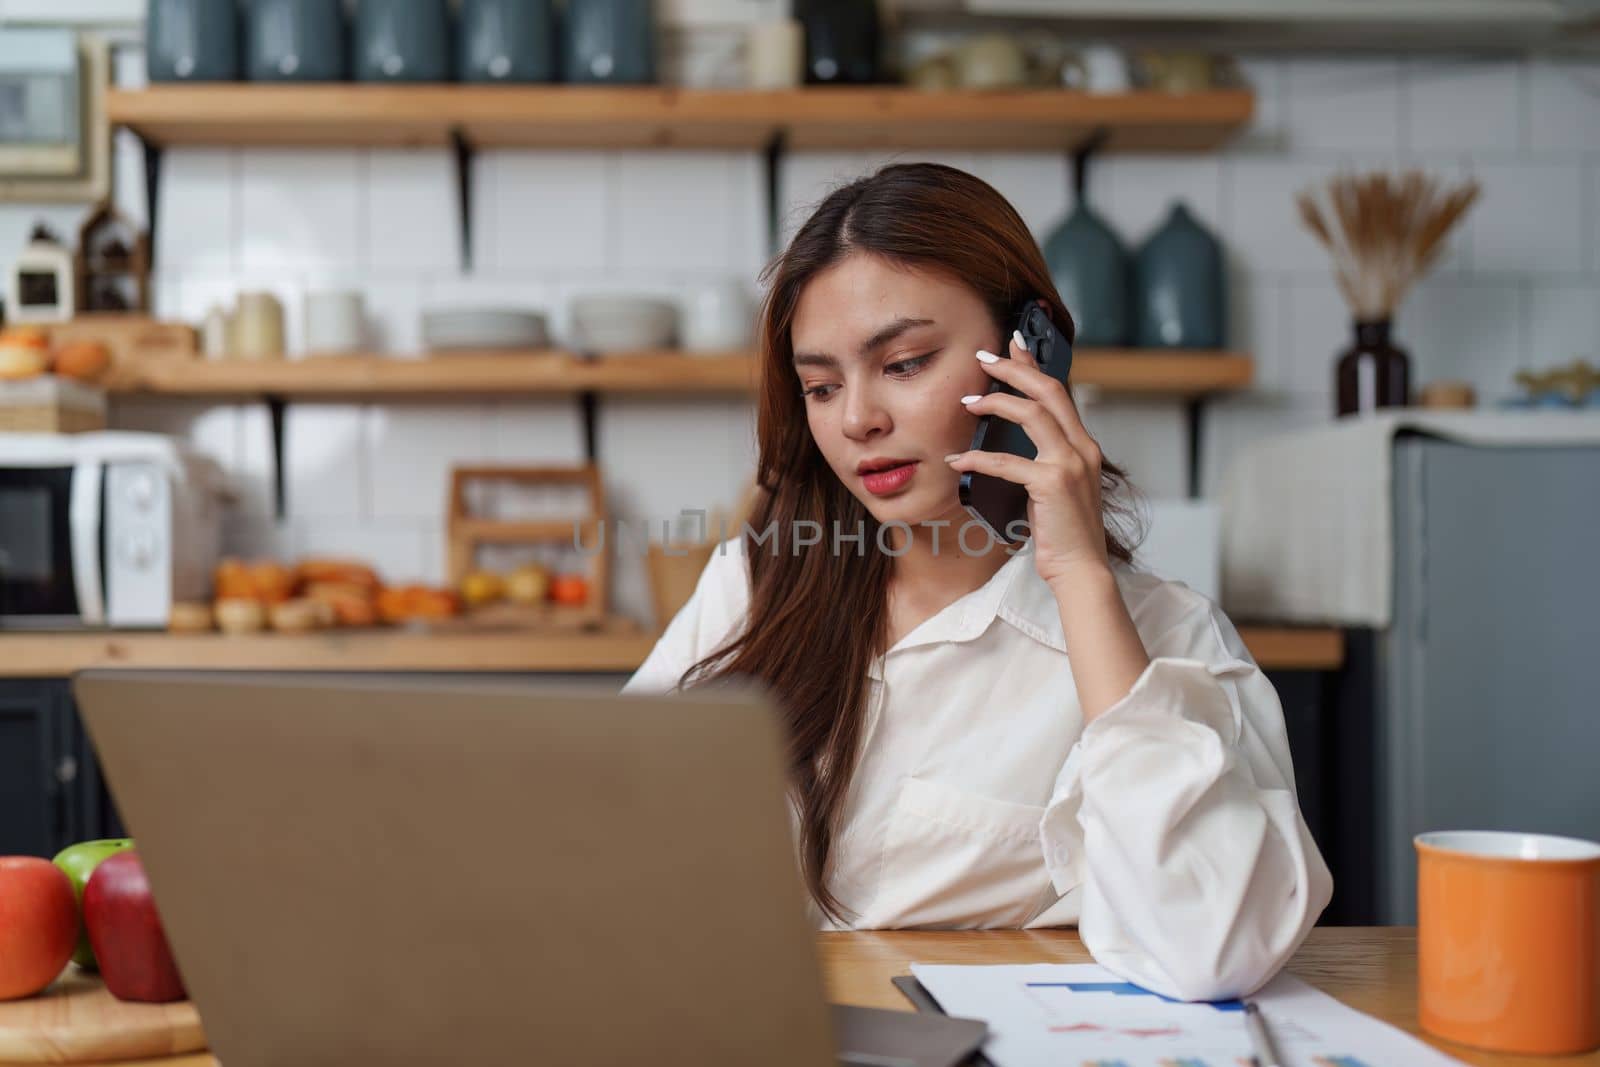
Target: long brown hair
{"x": 817, "y": 618}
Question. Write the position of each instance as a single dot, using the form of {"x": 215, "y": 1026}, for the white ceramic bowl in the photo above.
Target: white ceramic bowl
{"x": 483, "y": 328}
{"x": 610, "y": 323}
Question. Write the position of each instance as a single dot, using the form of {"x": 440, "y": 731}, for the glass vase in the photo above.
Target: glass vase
{"x": 1373, "y": 372}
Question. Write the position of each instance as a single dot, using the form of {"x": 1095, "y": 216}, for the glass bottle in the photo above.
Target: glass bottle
{"x": 1373, "y": 372}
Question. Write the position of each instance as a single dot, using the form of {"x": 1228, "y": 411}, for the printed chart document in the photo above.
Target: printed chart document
{"x": 1082, "y": 1015}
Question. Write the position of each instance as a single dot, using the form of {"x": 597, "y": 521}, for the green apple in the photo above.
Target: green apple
{"x": 79, "y": 862}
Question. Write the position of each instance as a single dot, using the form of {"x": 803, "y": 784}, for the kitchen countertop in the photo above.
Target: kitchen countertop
{"x": 619, "y": 647}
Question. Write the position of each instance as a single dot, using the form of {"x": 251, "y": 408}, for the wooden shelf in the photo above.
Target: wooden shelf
{"x": 582, "y": 116}
{"x": 1294, "y": 648}
{"x": 620, "y": 648}
{"x": 544, "y": 371}
{"x": 556, "y": 372}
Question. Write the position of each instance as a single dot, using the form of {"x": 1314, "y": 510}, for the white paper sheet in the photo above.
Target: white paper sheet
{"x": 1082, "y": 1015}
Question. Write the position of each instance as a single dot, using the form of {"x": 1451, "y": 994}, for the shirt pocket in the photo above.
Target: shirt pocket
{"x": 953, "y": 858}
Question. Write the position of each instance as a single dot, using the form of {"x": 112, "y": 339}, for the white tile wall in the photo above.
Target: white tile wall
{"x": 552, "y": 211}
{"x": 1520, "y": 286}
{"x": 1457, "y": 105}
{"x": 1344, "y": 105}
{"x": 1318, "y": 331}
{"x": 1465, "y": 329}
{"x": 1268, "y": 131}
{"x": 410, "y": 213}
{"x": 674, "y": 214}
{"x": 1562, "y": 112}
{"x": 327, "y": 473}
{"x": 411, "y": 449}
{"x": 1039, "y": 188}
{"x": 1529, "y": 218}
{"x": 1263, "y": 226}
{"x": 198, "y": 211}
{"x": 300, "y": 209}
{"x": 1136, "y": 193}
{"x": 1591, "y": 208}
{"x": 536, "y": 432}
{"x": 1257, "y": 321}
{"x": 1563, "y": 322}
{"x": 1144, "y": 440}
{"x": 252, "y": 474}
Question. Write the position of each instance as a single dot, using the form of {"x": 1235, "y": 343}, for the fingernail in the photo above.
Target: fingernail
{"x": 1016, "y": 335}
{"x": 952, "y": 456}
{"x": 970, "y": 399}
{"x": 987, "y": 357}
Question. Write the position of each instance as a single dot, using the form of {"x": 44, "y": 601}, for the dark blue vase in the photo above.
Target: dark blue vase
{"x": 1179, "y": 287}
{"x": 402, "y": 41}
{"x": 191, "y": 41}
{"x": 507, "y": 41}
{"x": 610, "y": 41}
{"x": 296, "y": 41}
{"x": 1089, "y": 266}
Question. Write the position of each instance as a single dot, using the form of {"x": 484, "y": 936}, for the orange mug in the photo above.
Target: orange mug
{"x": 1508, "y": 941}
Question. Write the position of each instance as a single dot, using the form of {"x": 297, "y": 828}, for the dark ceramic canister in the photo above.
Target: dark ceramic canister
{"x": 402, "y": 41}
{"x": 191, "y": 41}
{"x": 295, "y": 40}
{"x": 506, "y": 41}
{"x": 1179, "y": 286}
{"x": 843, "y": 41}
{"x": 609, "y": 41}
{"x": 1373, "y": 372}
{"x": 1089, "y": 266}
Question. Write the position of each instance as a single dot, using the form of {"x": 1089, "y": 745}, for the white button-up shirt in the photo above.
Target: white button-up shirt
{"x": 1167, "y": 830}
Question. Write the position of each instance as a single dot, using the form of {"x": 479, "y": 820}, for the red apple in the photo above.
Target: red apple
{"x": 126, "y": 934}
{"x": 38, "y": 924}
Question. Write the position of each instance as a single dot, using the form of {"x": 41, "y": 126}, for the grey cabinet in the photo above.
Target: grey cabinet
{"x": 1486, "y": 684}
{"x": 51, "y": 793}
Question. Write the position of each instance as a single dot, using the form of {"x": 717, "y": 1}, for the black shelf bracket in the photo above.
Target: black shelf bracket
{"x": 1080, "y": 157}
{"x": 464, "y": 153}
{"x": 589, "y": 406}
{"x": 277, "y": 409}
{"x": 153, "y": 157}
{"x": 1194, "y": 409}
{"x": 772, "y": 160}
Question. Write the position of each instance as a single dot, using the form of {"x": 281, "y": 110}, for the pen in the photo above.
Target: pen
{"x": 1262, "y": 1050}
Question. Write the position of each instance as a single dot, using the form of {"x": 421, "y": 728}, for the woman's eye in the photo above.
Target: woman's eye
{"x": 818, "y": 391}
{"x": 908, "y": 367}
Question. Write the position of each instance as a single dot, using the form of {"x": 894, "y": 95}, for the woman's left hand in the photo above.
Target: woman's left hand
{"x": 1063, "y": 482}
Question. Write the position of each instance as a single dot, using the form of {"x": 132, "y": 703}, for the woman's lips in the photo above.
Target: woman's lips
{"x": 884, "y": 482}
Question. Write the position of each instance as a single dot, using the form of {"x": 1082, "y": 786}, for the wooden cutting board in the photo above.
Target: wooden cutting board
{"x": 77, "y": 1021}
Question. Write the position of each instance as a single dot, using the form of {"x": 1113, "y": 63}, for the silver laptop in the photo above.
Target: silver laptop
{"x": 387, "y": 871}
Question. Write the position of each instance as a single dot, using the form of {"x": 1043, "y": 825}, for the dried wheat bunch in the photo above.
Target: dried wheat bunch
{"x": 1384, "y": 231}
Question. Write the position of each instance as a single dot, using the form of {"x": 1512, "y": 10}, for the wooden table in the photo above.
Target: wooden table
{"x": 1372, "y": 969}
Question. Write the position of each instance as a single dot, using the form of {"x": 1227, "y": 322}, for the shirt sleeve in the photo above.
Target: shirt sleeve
{"x": 718, "y": 604}
{"x": 1175, "y": 813}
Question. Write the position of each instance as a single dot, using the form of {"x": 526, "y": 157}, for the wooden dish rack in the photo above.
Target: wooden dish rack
{"x": 468, "y": 533}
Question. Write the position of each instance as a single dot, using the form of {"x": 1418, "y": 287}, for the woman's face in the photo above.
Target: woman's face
{"x": 884, "y": 354}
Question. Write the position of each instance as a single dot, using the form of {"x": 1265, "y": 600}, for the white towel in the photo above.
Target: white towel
{"x": 1307, "y": 517}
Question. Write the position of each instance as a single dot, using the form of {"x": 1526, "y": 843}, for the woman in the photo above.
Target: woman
{"x": 981, "y": 736}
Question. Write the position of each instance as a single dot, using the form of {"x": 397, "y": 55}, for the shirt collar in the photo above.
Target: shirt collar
{"x": 1014, "y": 593}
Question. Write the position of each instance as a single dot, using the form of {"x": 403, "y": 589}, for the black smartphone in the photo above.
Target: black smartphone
{"x": 997, "y": 503}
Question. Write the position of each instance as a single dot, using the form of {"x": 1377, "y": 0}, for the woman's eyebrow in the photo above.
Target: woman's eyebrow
{"x": 883, "y": 336}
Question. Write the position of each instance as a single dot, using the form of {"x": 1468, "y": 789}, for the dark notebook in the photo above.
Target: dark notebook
{"x": 919, "y": 996}
{"x": 879, "y": 1037}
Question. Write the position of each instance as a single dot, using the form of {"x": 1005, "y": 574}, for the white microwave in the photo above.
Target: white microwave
{"x": 104, "y": 529}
